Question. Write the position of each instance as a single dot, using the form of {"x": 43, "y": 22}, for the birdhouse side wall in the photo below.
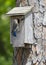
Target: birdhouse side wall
{"x": 11, "y": 24}
{"x": 29, "y": 29}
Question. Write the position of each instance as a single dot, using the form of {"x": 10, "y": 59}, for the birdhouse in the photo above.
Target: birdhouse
{"x": 21, "y": 26}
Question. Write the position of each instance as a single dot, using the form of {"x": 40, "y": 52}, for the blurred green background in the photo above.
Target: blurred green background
{"x": 6, "y": 50}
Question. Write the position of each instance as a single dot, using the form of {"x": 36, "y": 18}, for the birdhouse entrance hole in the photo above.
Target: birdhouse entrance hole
{"x": 16, "y": 27}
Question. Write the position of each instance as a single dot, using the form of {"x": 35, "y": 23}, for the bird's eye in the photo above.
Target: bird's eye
{"x": 43, "y": 6}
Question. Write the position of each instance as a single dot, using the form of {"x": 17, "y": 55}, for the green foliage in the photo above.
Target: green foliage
{"x": 3, "y": 61}
{"x": 5, "y": 47}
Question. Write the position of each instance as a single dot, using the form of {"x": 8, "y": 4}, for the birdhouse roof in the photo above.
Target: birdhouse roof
{"x": 20, "y": 10}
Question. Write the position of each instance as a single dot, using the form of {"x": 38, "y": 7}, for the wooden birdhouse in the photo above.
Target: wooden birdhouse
{"x": 21, "y": 26}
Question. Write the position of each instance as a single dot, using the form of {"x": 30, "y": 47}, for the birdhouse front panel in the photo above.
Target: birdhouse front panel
{"x": 21, "y": 26}
{"x": 17, "y": 32}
